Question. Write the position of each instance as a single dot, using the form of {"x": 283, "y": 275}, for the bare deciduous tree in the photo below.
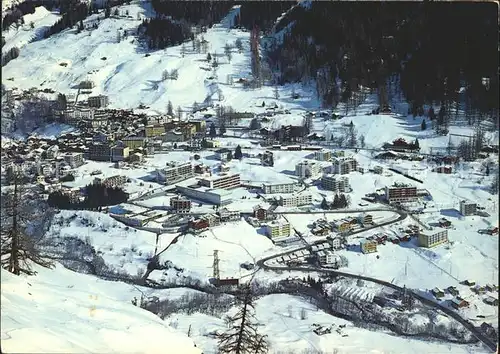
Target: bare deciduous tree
{"x": 242, "y": 336}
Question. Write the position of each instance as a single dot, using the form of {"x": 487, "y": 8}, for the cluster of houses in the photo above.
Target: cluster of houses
{"x": 458, "y": 302}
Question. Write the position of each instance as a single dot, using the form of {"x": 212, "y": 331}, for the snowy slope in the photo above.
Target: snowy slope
{"x": 121, "y": 247}
{"x": 64, "y": 312}
{"x": 279, "y": 316}
{"x": 19, "y": 37}
{"x": 129, "y": 77}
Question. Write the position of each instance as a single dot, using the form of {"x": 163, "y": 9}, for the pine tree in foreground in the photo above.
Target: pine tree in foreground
{"x": 242, "y": 336}
{"x": 19, "y": 211}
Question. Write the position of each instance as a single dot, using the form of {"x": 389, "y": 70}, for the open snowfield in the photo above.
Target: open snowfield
{"x": 59, "y": 311}
{"x": 238, "y": 242}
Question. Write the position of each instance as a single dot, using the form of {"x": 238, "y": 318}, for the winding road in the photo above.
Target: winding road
{"x": 262, "y": 264}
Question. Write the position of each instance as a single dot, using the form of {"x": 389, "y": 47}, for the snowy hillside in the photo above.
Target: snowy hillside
{"x": 19, "y": 37}
{"x": 65, "y": 312}
{"x": 120, "y": 247}
{"x": 280, "y": 316}
{"x": 130, "y": 78}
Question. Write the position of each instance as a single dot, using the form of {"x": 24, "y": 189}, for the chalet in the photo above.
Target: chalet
{"x": 228, "y": 215}
{"x": 489, "y": 330}
{"x": 468, "y": 282}
{"x": 260, "y": 213}
{"x": 443, "y": 222}
{"x": 478, "y": 289}
{"x": 387, "y": 155}
{"x": 490, "y": 300}
{"x": 401, "y": 145}
{"x": 452, "y": 290}
{"x": 404, "y": 237}
{"x": 335, "y": 241}
{"x": 444, "y": 169}
{"x": 198, "y": 225}
{"x": 368, "y": 246}
{"x": 490, "y": 288}
{"x": 343, "y": 226}
{"x": 459, "y": 303}
{"x": 438, "y": 293}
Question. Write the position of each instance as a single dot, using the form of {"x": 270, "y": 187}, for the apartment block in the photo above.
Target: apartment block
{"x": 323, "y": 155}
{"x": 332, "y": 183}
{"x": 134, "y": 142}
{"x": 365, "y": 219}
{"x": 180, "y": 205}
{"x": 222, "y": 181}
{"x": 119, "y": 152}
{"x": 308, "y": 169}
{"x": 73, "y": 159}
{"x": 100, "y": 152}
{"x": 430, "y": 240}
{"x": 344, "y": 166}
{"x": 400, "y": 192}
{"x": 295, "y": 200}
{"x": 276, "y": 188}
{"x": 229, "y": 215}
{"x": 99, "y": 101}
{"x": 328, "y": 257}
{"x": 278, "y": 228}
{"x": 212, "y": 143}
{"x": 174, "y": 172}
{"x": 199, "y": 124}
{"x": 154, "y": 130}
{"x": 467, "y": 208}
{"x": 113, "y": 181}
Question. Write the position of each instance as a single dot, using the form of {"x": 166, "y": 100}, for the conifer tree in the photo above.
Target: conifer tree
{"x": 213, "y": 131}
{"x": 242, "y": 337}
{"x": 170, "y": 109}
{"x": 20, "y": 209}
{"x": 238, "y": 153}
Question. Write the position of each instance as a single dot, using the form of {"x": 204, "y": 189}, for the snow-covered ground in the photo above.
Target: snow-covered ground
{"x": 33, "y": 29}
{"x": 130, "y": 78}
{"x": 280, "y": 318}
{"x": 122, "y": 247}
{"x": 59, "y": 311}
{"x": 237, "y": 243}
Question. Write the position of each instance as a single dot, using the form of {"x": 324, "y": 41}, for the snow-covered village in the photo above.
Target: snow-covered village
{"x": 249, "y": 177}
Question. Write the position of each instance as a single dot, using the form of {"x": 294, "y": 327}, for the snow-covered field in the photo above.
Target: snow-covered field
{"x": 59, "y": 311}
{"x": 237, "y": 243}
{"x": 38, "y": 307}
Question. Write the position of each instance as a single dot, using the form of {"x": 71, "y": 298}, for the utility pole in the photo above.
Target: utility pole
{"x": 215, "y": 265}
